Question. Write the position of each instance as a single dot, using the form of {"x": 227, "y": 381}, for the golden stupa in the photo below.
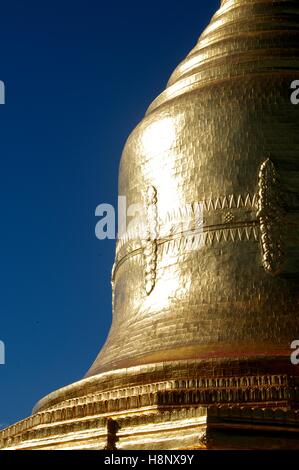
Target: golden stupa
{"x": 204, "y": 311}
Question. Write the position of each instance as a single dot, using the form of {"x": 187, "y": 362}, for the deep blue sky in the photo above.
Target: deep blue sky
{"x": 79, "y": 76}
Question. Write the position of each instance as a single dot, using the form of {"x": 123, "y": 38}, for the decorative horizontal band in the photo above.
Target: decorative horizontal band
{"x": 193, "y": 240}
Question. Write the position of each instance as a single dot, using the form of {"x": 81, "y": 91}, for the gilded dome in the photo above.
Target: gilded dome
{"x": 224, "y": 136}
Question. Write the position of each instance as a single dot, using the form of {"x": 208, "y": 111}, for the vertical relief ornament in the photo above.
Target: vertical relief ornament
{"x": 271, "y": 217}
{"x": 149, "y": 242}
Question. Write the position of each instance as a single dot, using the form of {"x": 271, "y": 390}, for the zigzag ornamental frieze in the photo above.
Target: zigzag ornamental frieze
{"x": 149, "y": 242}
{"x": 227, "y": 209}
{"x": 271, "y": 217}
{"x": 231, "y": 201}
{"x": 177, "y": 245}
{"x": 230, "y": 218}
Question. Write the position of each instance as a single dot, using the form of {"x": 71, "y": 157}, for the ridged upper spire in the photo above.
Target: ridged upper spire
{"x": 243, "y": 37}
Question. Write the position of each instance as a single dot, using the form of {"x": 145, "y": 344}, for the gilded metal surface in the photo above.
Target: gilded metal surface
{"x": 150, "y": 239}
{"x": 153, "y": 408}
{"x": 197, "y": 319}
{"x": 196, "y": 428}
{"x": 204, "y": 140}
{"x": 271, "y": 217}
